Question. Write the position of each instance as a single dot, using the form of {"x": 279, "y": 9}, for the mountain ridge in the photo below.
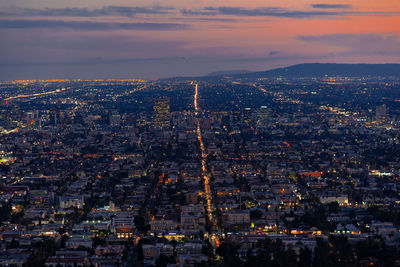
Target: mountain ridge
{"x": 329, "y": 69}
{"x": 310, "y": 70}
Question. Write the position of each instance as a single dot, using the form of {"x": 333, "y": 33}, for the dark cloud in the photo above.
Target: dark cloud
{"x": 126, "y": 11}
{"x": 88, "y": 25}
{"x": 201, "y": 12}
{"x": 331, "y": 6}
{"x": 273, "y": 53}
{"x": 268, "y": 12}
{"x": 280, "y": 12}
{"x": 85, "y": 12}
{"x": 188, "y": 18}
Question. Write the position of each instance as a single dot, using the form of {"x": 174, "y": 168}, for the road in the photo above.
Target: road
{"x": 37, "y": 94}
{"x": 196, "y": 97}
{"x": 206, "y": 178}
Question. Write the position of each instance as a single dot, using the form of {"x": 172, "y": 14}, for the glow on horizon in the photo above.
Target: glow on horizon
{"x": 45, "y": 40}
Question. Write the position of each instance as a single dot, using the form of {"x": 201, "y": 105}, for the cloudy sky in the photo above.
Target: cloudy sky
{"x": 45, "y": 39}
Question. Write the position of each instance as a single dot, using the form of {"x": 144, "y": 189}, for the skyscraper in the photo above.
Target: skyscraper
{"x": 247, "y": 116}
{"x": 380, "y": 113}
{"x": 262, "y": 114}
{"x": 54, "y": 116}
{"x": 115, "y": 119}
{"x": 161, "y": 112}
{"x": 236, "y": 116}
{"x": 32, "y": 117}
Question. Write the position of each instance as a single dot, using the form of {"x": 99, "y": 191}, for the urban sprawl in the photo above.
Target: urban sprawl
{"x": 219, "y": 172}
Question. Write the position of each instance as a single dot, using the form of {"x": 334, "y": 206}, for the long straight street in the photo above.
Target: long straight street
{"x": 206, "y": 178}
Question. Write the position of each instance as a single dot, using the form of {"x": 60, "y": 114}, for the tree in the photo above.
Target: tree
{"x": 5, "y": 211}
{"x": 14, "y": 244}
{"x": 343, "y": 248}
{"x": 255, "y": 214}
{"x": 140, "y": 223}
{"x": 305, "y": 257}
{"x": 163, "y": 260}
{"x": 333, "y": 207}
{"x": 281, "y": 256}
{"x": 322, "y": 256}
{"x": 228, "y": 251}
{"x": 290, "y": 257}
{"x": 207, "y": 249}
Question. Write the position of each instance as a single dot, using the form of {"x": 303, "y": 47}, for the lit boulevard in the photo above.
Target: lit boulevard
{"x": 37, "y": 94}
{"x": 196, "y": 96}
{"x": 206, "y": 178}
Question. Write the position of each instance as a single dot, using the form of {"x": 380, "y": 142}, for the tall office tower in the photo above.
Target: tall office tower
{"x": 247, "y": 116}
{"x": 235, "y": 117}
{"x": 115, "y": 119}
{"x": 380, "y": 113}
{"x": 32, "y": 117}
{"x": 262, "y": 114}
{"x": 161, "y": 110}
{"x": 55, "y": 116}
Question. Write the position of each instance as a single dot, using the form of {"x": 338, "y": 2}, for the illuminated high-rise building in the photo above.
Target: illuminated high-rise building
{"x": 161, "y": 112}
{"x": 262, "y": 114}
{"x": 247, "y": 116}
{"x": 115, "y": 119}
{"x": 380, "y": 113}
{"x": 54, "y": 116}
{"x": 236, "y": 116}
{"x": 32, "y": 117}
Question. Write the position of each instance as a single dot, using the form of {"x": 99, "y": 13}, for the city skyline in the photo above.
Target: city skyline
{"x": 230, "y": 171}
{"x": 138, "y": 39}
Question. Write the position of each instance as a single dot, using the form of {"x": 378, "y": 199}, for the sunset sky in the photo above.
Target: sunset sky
{"x": 45, "y": 39}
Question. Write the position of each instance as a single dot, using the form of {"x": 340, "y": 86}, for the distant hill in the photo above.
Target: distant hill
{"x": 227, "y": 72}
{"x": 308, "y": 70}
{"x": 328, "y": 69}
